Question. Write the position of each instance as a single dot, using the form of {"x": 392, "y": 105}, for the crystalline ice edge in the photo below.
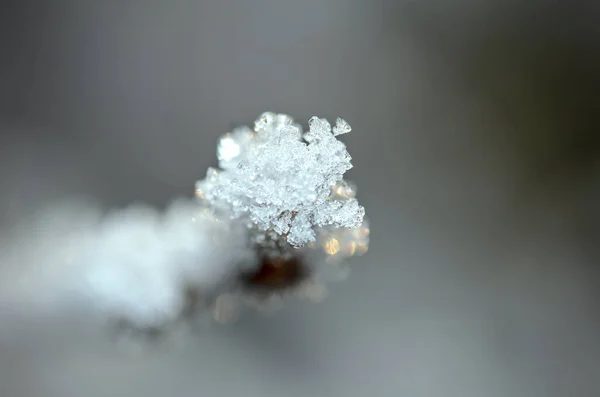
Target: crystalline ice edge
{"x": 278, "y": 179}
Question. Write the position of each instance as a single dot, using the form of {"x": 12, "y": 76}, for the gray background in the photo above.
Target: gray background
{"x": 475, "y": 149}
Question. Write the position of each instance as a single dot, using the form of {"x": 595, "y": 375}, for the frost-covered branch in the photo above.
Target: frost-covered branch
{"x": 275, "y": 217}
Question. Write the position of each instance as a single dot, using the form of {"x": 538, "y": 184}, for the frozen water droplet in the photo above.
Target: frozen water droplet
{"x": 318, "y": 130}
{"x": 265, "y": 119}
{"x": 319, "y": 125}
{"x": 341, "y": 127}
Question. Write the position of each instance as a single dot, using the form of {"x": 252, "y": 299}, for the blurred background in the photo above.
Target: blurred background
{"x": 476, "y": 151}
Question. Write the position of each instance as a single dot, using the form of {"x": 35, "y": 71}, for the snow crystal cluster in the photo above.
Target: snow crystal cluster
{"x": 287, "y": 188}
{"x": 278, "y": 179}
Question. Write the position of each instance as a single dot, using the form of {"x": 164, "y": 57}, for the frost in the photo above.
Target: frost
{"x": 341, "y": 127}
{"x": 275, "y": 187}
{"x": 142, "y": 260}
{"x": 279, "y": 179}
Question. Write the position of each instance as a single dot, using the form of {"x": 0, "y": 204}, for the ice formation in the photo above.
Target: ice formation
{"x": 287, "y": 188}
{"x": 276, "y": 217}
{"x": 146, "y": 264}
{"x": 136, "y": 265}
{"x": 278, "y": 179}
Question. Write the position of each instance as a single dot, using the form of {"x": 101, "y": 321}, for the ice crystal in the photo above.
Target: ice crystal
{"x": 278, "y": 179}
